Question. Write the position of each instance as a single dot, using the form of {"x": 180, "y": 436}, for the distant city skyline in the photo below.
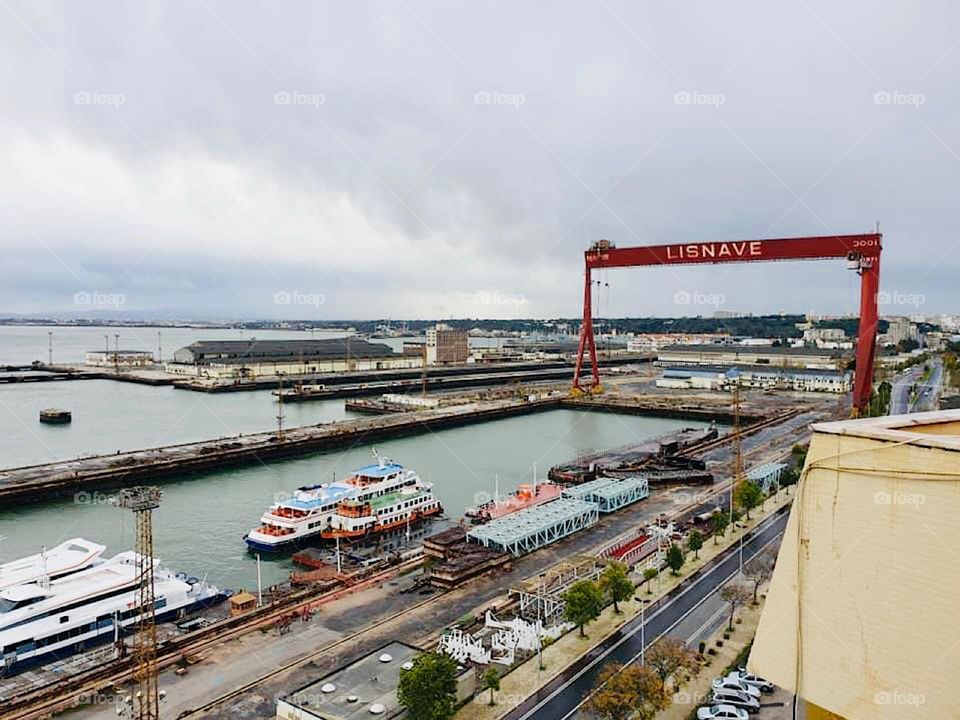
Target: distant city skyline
{"x": 422, "y": 159}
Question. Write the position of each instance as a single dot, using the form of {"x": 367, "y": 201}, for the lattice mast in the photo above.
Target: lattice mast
{"x": 142, "y": 501}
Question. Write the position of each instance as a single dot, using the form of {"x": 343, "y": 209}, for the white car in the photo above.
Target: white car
{"x": 721, "y": 712}
{"x": 734, "y": 682}
{"x": 758, "y": 682}
{"x": 737, "y": 698}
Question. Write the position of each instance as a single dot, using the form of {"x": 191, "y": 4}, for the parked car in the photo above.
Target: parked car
{"x": 750, "y": 679}
{"x": 737, "y": 698}
{"x": 734, "y": 682}
{"x": 721, "y": 712}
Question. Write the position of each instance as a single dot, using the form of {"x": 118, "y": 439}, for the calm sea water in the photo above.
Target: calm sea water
{"x": 202, "y": 520}
{"x": 200, "y": 525}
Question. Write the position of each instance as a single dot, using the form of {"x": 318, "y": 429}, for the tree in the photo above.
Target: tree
{"x": 648, "y": 575}
{"x": 584, "y": 602}
{"x": 630, "y": 692}
{"x": 491, "y": 682}
{"x": 675, "y": 558}
{"x": 760, "y": 569}
{"x": 736, "y": 595}
{"x": 615, "y": 582}
{"x": 695, "y": 542}
{"x": 428, "y": 690}
{"x": 719, "y": 522}
{"x": 789, "y": 478}
{"x": 667, "y": 656}
{"x": 748, "y": 496}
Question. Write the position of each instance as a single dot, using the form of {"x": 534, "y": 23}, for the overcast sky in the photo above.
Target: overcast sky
{"x": 437, "y": 159}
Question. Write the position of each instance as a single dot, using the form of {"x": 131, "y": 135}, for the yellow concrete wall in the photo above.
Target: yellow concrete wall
{"x": 863, "y": 613}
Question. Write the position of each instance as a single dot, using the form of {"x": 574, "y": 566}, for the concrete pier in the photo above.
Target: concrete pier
{"x": 65, "y": 478}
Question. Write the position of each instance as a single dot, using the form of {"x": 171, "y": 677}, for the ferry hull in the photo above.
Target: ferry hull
{"x": 330, "y": 535}
{"x": 284, "y": 546}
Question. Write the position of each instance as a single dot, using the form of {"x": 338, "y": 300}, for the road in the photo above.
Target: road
{"x": 561, "y": 698}
{"x": 928, "y": 393}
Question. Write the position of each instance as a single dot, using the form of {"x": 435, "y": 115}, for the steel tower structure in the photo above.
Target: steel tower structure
{"x": 143, "y": 500}
{"x": 862, "y": 253}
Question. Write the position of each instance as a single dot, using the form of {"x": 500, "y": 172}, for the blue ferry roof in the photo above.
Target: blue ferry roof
{"x": 376, "y": 471}
{"x": 334, "y": 492}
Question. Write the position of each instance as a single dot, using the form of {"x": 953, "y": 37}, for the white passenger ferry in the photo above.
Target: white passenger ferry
{"x": 401, "y": 501}
{"x": 65, "y": 558}
{"x": 39, "y": 619}
{"x": 326, "y": 511}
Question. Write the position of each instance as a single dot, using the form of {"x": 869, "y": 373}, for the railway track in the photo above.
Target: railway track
{"x": 68, "y": 693}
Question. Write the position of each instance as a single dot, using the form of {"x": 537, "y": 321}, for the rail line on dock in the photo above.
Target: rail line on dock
{"x": 67, "y": 693}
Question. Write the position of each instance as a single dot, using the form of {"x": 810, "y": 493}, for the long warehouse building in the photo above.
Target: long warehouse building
{"x": 251, "y": 358}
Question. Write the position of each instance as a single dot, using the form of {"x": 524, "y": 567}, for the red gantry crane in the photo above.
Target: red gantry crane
{"x": 862, "y": 253}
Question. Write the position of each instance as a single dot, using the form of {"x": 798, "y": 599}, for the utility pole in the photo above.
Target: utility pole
{"x": 159, "y": 348}
{"x": 737, "y": 459}
{"x": 116, "y": 352}
{"x": 737, "y": 447}
{"x": 50, "y": 347}
{"x": 280, "y": 408}
{"x": 143, "y": 500}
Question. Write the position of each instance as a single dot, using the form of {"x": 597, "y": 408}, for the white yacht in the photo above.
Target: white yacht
{"x": 62, "y": 616}
{"x": 65, "y": 558}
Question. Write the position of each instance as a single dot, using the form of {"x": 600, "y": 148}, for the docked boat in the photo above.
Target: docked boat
{"x": 65, "y": 558}
{"x": 381, "y": 506}
{"x": 526, "y": 496}
{"x": 315, "y": 512}
{"x": 88, "y": 606}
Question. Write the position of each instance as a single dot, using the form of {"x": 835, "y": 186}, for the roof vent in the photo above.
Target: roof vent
{"x": 386, "y": 657}
{"x": 328, "y": 688}
{"x": 377, "y": 709}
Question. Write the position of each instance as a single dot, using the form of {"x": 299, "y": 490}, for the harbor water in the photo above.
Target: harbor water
{"x": 201, "y": 522}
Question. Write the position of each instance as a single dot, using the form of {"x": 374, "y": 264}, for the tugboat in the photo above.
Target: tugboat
{"x": 525, "y": 496}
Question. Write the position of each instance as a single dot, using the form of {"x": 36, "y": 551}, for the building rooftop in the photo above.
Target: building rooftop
{"x": 750, "y": 350}
{"x": 236, "y": 351}
{"x": 350, "y": 692}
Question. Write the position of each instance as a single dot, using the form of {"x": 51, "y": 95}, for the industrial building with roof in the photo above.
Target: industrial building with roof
{"x": 364, "y": 688}
{"x": 862, "y": 618}
{"x": 252, "y": 358}
{"x": 776, "y": 355}
{"x": 720, "y": 377}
